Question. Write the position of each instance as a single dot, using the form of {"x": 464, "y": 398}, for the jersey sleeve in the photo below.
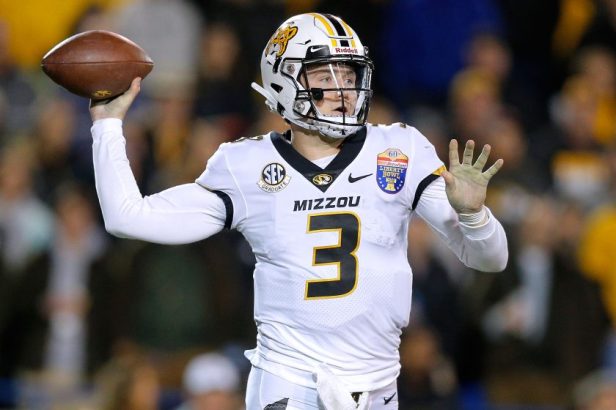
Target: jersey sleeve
{"x": 182, "y": 214}
{"x": 426, "y": 167}
{"x": 483, "y": 247}
{"x": 218, "y": 178}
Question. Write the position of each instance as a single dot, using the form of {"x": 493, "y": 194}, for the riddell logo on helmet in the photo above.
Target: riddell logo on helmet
{"x": 346, "y": 50}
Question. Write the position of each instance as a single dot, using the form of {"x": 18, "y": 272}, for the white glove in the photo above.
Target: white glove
{"x": 334, "y": 395}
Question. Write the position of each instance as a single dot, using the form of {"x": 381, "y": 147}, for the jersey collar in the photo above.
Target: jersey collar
{"x": 322, "y": 178}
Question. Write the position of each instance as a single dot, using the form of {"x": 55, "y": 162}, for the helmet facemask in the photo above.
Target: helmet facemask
{"x": 332, "y": 94}
{"x": 335, "y": 107}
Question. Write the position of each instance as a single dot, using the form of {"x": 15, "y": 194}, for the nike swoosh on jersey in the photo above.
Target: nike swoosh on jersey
{"x": 355, "y": 179}
{"x": 388, "y": 399}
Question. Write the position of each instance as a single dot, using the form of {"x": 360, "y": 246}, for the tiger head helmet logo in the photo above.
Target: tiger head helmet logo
{"x": 278, "y": 42}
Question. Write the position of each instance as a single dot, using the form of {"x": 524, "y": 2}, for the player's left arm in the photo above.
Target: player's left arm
{"x": 454, "y": 208}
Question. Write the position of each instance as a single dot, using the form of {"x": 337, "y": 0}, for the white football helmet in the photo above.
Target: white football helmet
{"x": 310, "y": 40}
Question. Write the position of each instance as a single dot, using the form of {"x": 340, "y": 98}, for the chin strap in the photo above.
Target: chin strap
{"x": 270, "y": 101}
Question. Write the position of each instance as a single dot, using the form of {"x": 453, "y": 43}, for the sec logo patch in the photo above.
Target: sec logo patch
{"x": 274, "y": 178}
{"x": 391, "y": 166}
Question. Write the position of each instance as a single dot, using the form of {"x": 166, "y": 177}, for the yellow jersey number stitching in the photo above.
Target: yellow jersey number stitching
{"x": 341, "y": 254}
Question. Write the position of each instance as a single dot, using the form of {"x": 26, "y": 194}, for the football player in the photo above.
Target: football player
{"x": 326, "y": 208}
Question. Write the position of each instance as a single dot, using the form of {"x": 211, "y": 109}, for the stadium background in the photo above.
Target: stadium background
{"x": 80, "y": 310}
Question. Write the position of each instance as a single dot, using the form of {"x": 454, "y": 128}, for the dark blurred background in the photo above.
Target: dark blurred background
{"x": 89, "y": 321}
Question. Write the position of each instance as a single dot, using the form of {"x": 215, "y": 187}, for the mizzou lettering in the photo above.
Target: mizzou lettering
{"x": 326, "y": 203}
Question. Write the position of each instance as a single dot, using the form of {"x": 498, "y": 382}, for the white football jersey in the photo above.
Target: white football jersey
{"x": 332, "y": 280}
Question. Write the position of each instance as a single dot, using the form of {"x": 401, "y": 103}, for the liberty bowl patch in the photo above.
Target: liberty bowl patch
{"x": 391, "y": 166}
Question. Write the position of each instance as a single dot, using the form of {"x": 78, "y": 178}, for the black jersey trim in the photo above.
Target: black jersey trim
{"x": 349, "y": 150}
{"x": 279, "y": 405}
{"x": 226, "y": 199}
{"x": 421, "y": 187}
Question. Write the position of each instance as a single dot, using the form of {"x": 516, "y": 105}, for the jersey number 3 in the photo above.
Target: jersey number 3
{"x": 341, "y": 254}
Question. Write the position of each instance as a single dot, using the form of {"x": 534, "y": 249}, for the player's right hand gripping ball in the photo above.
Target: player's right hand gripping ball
{"x": 96, "y": 64}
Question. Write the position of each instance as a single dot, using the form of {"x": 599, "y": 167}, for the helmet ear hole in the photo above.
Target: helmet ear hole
{"x": 280, "y": 109}
{"x": 276, "y": 87}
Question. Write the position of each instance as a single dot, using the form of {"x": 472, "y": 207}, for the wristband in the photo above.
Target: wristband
{"x": 474, "y": 220}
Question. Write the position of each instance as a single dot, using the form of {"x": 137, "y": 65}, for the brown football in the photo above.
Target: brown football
{"x": 96, "y": 64}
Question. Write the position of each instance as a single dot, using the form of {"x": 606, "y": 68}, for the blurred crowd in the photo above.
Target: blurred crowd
{"x": 89, "y": 321}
